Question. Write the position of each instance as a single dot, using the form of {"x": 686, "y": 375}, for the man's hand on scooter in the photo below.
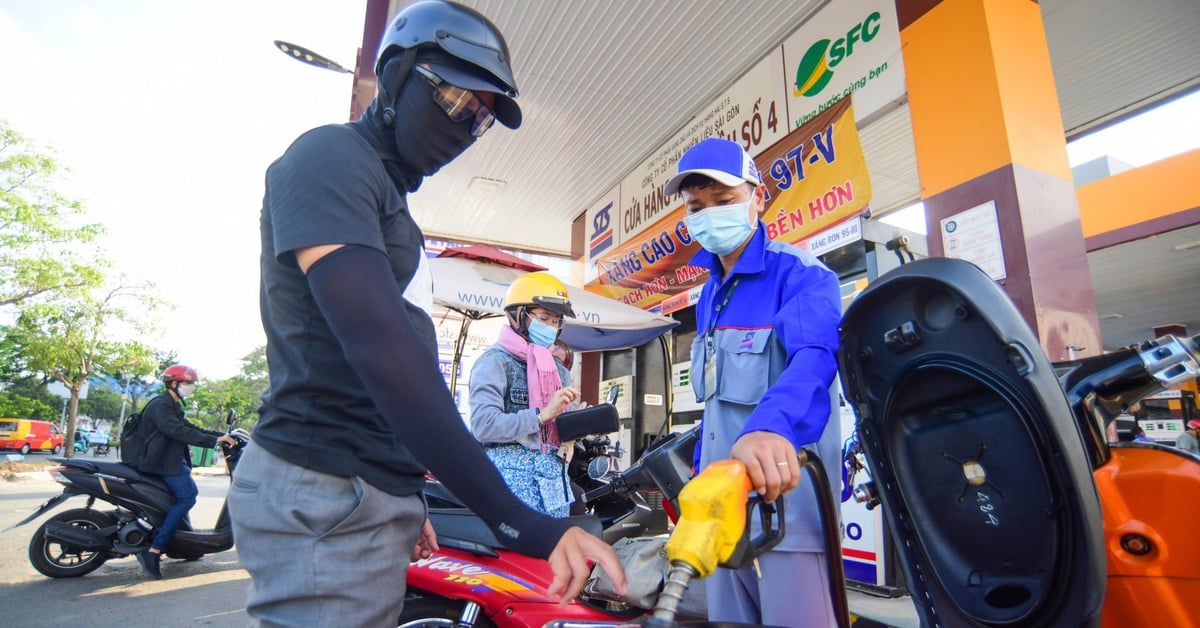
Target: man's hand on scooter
{"x": 426, "y": 543}
{"x": 226, "y": 440}
{"x": 570, "y": 563}
{"x": 770, "y": 461}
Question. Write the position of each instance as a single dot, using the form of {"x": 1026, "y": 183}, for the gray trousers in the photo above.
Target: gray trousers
{"x": 322, "y": 550}
{"x": 793, "y": 591}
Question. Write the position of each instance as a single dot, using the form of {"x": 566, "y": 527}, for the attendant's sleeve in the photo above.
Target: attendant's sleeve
{"x": 797, "y": 406}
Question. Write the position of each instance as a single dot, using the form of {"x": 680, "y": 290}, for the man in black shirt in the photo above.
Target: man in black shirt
{"x": 326, "y": 503}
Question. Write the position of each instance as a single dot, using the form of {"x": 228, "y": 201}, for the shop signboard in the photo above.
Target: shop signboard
{"x": 847, "y": 48}
{"x": 752, "y": 113}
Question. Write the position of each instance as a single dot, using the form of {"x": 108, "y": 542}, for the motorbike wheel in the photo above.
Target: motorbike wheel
{"x": 56, "y": 560}
{"x": 423, "y": 612}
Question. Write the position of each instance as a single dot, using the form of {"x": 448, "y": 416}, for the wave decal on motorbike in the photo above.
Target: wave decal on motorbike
{"x": 475, "y": 577}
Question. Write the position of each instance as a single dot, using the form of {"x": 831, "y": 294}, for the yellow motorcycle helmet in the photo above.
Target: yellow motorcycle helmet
{"x": 538, "y": 289}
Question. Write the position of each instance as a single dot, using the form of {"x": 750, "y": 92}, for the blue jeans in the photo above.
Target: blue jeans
{"x": 183, "y": 487}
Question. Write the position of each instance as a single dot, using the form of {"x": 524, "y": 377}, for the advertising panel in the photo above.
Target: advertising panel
{"x": 862, "y": 529}
{"x": 974, "y": 235}
{"x": 847, "y": 48}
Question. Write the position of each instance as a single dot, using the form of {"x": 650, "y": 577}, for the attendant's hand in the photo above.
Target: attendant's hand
{"x": 770, "y": 461}
{"x": 426, "y": 543}
{"x": 569, "y": 561}
{"x": 559, "y": 403}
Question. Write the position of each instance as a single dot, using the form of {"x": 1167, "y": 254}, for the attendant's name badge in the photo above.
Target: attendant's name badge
{"x": 710, "y": 371}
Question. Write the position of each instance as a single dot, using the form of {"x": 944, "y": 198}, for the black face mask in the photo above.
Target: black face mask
{"x": 426, "y": 138}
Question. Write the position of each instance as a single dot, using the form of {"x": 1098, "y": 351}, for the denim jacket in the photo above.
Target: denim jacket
{"x": 500, "y": 411}
{"x": 509, "y": 429}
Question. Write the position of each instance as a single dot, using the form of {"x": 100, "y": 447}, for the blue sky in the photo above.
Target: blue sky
{"x": 167, "y": 115}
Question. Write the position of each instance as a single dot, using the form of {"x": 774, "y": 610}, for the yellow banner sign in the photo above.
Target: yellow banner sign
{"x": 651, "y": 267}
{"x": 816, "y": 176}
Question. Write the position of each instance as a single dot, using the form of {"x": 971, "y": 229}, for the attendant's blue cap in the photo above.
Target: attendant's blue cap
{"x": 718, "y": 159}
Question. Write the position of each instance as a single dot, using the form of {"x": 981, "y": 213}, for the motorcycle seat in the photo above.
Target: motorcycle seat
{"x": 116, "y": 469}
{"x": 460, "y": 524}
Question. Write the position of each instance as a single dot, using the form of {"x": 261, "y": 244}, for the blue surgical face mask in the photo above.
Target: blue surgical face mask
{"x": 541, "y": 334}
{"x": 721, "y": 229}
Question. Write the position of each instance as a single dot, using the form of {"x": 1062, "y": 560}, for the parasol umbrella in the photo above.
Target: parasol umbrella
{"x": 473, "y": 284}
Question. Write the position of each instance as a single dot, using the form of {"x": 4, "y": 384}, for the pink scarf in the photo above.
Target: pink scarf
{"x": 543, "y": 379}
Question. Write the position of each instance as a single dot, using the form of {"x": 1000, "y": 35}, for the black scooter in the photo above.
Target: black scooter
{"x": 76, "y": 542}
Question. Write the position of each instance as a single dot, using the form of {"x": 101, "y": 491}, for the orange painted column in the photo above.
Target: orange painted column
{"x": 988, "y": 129}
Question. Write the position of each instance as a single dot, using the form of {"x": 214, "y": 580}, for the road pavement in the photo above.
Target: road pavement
{"x": 207, "y": 592}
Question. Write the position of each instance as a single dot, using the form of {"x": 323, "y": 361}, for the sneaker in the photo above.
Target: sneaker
{"x": 150, "y": 563}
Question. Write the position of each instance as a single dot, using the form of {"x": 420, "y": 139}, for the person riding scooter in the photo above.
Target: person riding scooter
{"x": 167, "y": 434}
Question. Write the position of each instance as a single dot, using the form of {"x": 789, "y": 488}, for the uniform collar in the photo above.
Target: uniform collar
{"x": 751, "y": 260}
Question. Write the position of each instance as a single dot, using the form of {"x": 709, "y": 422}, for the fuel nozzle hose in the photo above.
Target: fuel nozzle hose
{"x": 712, "y": 523}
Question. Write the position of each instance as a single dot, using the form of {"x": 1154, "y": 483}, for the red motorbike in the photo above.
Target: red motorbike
{"x": 473, "y": 581}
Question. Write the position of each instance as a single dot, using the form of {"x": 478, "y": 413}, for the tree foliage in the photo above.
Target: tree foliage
{"x": 71, "y": 339}
{"x": 103, "y": 402}
{"x": 241, "y": 394}
{"x": 42, "y": 233}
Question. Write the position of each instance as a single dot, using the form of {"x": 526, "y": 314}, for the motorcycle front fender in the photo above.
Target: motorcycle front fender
{"x": 50, "y": 504}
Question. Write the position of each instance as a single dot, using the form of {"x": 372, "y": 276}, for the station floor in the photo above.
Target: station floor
{"x": 870, "y": 611}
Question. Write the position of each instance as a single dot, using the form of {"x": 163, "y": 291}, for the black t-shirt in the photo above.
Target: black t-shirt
{"x": 330, "y": 187}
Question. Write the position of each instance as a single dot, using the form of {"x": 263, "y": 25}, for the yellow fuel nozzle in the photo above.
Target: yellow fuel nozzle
{"x": 712, "y": 517}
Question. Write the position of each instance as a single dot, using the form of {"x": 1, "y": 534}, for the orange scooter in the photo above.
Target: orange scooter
{"x": 1006, "y": 503}
{"x": 1147, "y": 491}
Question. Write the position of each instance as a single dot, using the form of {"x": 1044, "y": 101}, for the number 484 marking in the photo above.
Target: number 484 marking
{"x": 987, "y": 507}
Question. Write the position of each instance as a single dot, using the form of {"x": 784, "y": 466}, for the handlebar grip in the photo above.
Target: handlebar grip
{"x": 597, "y": 493}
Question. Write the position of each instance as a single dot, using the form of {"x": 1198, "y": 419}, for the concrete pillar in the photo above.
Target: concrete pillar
{"x": 987, "y": 126}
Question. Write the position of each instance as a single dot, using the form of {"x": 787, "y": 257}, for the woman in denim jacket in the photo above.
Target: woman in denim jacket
{"x": 518, "y": 389}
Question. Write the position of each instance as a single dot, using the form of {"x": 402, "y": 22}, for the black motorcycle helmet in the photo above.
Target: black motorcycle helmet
{"x": 459, "y": 44}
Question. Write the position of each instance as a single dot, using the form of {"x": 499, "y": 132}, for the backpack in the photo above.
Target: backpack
{"x": 132, "y": 439}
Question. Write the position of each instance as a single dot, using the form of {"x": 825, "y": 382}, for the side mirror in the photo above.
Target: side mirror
{"x": 599, "y": 468}
{"x": 613, "y": 393}
{"x": 231, "y": 418}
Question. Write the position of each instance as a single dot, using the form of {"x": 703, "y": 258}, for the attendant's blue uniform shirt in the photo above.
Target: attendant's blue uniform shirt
{"x": 775, "y": 343}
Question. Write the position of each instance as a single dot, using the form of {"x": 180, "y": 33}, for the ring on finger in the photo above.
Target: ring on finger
{"x": 782, "y": 463}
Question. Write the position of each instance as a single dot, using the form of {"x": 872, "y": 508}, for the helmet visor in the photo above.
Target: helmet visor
{"x": 505, "y": 108}
{"x": 558, "y": 305}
